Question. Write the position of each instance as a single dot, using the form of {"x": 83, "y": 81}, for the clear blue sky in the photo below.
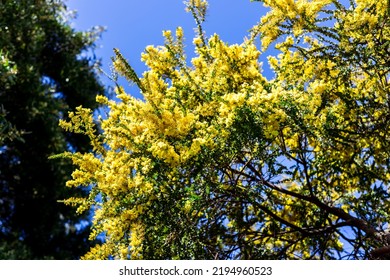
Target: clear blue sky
{"x": 133, "y": 24}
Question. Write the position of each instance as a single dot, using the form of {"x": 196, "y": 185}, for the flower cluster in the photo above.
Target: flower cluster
{"x": 216, "y": 161}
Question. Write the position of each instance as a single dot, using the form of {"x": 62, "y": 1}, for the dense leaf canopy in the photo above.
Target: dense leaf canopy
{"x": 219, "y": 162}
{"x": 44, "y": 73}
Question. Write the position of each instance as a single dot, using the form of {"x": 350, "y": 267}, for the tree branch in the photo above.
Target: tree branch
{"x": 338, "y": 212}
{"x": 380, "y": 252}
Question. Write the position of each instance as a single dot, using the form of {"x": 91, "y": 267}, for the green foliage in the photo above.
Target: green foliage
{"x": 43, "y": 76}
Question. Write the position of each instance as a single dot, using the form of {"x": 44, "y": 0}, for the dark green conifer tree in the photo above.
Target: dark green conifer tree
{"x": 47, "y": 69}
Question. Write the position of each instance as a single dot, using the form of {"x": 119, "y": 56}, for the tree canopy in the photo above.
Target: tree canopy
{"x": 44, "y": 73}
{"x": 219, "y": 162}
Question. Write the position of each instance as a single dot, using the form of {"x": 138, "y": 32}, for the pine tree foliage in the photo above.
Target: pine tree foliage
{"x": 44, "y": 73}
{"x": 218, "y": 162}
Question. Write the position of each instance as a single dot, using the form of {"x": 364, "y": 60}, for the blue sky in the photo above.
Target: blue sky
{"x": 131, "y": 25}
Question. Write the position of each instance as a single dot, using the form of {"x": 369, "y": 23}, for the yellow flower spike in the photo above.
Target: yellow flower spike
{"x": 167, "y": 33}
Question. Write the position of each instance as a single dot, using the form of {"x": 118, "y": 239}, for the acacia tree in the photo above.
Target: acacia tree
{"x": 43, "y": 75}
{"x": 218, "y": 162}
